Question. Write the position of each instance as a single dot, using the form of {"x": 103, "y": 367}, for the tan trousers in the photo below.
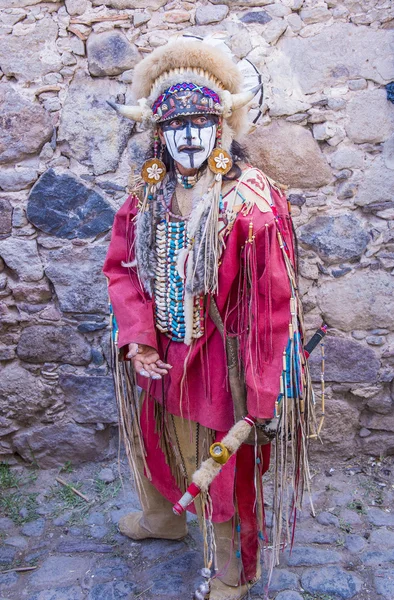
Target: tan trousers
{"x": 158, "y": 517}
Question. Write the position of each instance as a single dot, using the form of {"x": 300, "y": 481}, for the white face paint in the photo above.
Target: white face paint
{"x": 190, "y": 144}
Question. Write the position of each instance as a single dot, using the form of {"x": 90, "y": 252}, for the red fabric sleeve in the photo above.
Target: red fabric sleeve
{"x": 132, "y": 307}
{"x": 270, "y": 334}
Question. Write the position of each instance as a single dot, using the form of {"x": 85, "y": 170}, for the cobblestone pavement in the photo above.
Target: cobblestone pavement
{"x": 346, "y": 551}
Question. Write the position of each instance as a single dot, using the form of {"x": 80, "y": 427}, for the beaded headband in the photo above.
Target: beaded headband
{"x": 186, "y": 99}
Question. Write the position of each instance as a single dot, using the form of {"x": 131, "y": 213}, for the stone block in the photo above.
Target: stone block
{"x": 360, "y": 297}
{"x": 59, "y": 570}
{"x": 261, "y": 17}
{"x": 378, "y": 444}
{"x": 110, "y": 53}
{"x": 274, "y": 30}
{"x": 91, "y": 131}
{"x": 61, "y": 205}
{"x": 107, "y": 476}
{"x": 19, "y": 217}
{"x": 375, "y": 191}
{"x": 59, "y": 593}
{"x": 311, "y": 536}
{"x": 8, "y": 580}
{"x": 113, "y": 589}
{"x": 280, "y": 103}
{"x": 350, "y": 56}
{"x": 21, "y": 394}
{"x": 34, "y": 528}
{"x": 5, "y": 216}
{"x": 124, "y": 4}
{"x": 78, "y": 280}
{"x": 382, "y": 537}
{"x": 355, "y": 543}
{"x": 13, "y": 180}
{"x": 380, "y": 518}
{"x": 331, "y": 580}
{"x": 346, "y": 361}
{"x": 295, "y": 22}
{"x": 278, "y": 10}
{"x": 369, "y": 117}
{"x": 346, "y": 157}
{"x": 339, "y": 433}
{"x": 40, "y": 55}
{"x": 384, "y": 583}
{"x": 315, "y": 14}
{"x": 7, "y": 555}
{"x": 239, "y": 40}
{"x": 282, "y": 579}
{"x": 33, "y": 293}
{"x": 24, "y": 126}
{"x": 136, "y": 149}
{"x": 374, "y": 558}
{"x": 52, "y": 445}
{"x": 211, "y": 14}
{"x": 76, "y": 7}
{"x": 91, "y": 399}
{"x": 304, "y": 556}
{"x": 327, "y": 518}
{"x": 286, "y": 151}
{"x": 47, "y": 343}
{"x": 351, "y": 517}
{"x": 289, "y": 595}
{"x": 177, "y": 16}
{"x": 324, "y": 131}
{"x": 247, "y": 3}
{"x": 20, "y": 3}
{"x": 21, "y": 256}
{"x": 380, "y": 422}
{"x": 141, "y": 18}
{"x": 335, "y": 239}
{"x": 10, "y": 18}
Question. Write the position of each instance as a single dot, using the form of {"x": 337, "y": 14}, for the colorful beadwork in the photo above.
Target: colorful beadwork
{"x": 171, "y": 238}
{"x": 187, "y": 181}
{"x": 180, "y": 87}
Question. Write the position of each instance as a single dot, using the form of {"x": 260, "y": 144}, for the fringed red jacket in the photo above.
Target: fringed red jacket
{"x": 253, "y": 299}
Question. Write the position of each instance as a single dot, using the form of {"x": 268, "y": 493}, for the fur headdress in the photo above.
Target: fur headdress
{"x": 200, "y": 62}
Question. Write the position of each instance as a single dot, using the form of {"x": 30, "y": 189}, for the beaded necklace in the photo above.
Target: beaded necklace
{"x": 172, "y": 238}
{"x": 169, "y": 287}
{"x": 187, "y": 181}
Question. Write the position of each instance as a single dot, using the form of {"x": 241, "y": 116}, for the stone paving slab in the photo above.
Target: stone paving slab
{"x": 344, "y": 551}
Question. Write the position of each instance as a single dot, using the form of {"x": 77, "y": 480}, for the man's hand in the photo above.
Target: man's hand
{"x": 146, "y": 361}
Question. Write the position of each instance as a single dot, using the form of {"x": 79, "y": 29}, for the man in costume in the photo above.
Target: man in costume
{"x": 206, "y": 317}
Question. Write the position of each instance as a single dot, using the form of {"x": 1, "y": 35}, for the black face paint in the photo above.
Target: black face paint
{"x": 189, "y": 132}
{"x": 190, "y": 139}
{"x": 181, "y": 122}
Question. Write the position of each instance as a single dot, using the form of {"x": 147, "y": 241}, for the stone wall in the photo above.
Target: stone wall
{"x": 65, "y": 160}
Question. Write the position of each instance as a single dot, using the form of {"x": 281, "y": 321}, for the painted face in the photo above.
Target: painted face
{"x": 190, "y": 140}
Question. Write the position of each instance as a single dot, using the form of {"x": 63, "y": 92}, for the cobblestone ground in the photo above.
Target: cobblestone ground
{"x": 75, "y": 551}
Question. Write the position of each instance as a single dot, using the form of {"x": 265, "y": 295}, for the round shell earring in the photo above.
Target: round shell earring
{"x": 154, "y": 170}
{"x": 219, "y": 161}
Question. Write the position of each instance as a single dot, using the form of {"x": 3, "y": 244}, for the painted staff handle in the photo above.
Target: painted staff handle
{"x": 220, "y": 453}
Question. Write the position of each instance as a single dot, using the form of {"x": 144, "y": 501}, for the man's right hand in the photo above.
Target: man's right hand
{"x": 146, "y": 361}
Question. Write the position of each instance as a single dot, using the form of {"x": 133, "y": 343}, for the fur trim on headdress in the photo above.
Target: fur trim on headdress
{"x": 194, "y": 61}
